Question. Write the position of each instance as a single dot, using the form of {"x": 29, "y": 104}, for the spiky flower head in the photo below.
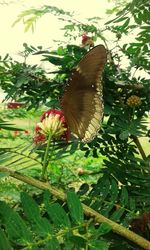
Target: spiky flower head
{"x": 52, "y": 124}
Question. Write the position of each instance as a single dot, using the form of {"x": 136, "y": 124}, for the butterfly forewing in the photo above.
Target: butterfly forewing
{"x": 82, "y": 101}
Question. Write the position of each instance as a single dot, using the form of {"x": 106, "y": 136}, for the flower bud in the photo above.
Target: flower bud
{"x": 87, "y": 41}
{"x": 133, "y": 101}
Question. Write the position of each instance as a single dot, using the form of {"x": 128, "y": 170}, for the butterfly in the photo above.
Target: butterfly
{"x": 82, "y": 101}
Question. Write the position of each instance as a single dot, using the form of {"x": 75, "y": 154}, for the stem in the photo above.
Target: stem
{"x": 131, "y": 86}
{"x": 59, "y": 234}
{"x": 119, "y": 229}
{"x": 139, "y": 146}
{"x": 45, "y": 161}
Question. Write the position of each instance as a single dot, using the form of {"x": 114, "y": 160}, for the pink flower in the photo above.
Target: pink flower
{"x": 52, "y": 123}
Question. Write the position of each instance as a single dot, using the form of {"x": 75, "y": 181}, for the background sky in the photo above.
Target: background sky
{"x": 47, "y": 28}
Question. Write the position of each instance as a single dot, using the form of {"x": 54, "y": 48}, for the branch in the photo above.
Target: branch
{"x": 141, "y": 150}
{"x": 130, "y": 86}
{"x": 139, "y": 146}
{"x": 87, "y": 210}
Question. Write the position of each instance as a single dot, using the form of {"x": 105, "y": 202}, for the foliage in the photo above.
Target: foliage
{"x": 30, "y": 84}
{"x": 134, "y": 17}
{"x": 24, "y": 83}
{"x": 120, "y": 190}
{"x": 6, "y": 125}
{"x": 21, "y": 113}
{"x": 49, "y": 226}
{"x": 31, "y": 16}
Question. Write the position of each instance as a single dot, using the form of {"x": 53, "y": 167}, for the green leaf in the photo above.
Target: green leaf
{"x": 39, "y": 47}
{"x": 60, "y": 51}
{"x": 21, "y": 80}
{"x": 15, "y": 226}
{"x": 124, "y": 135}
{"x": 6, "y": 57}
{"x": 125, "y": 24}
{"x": 110, "y": 21}
{"x": 104, "y": 229}
{"x": 2, "y": 175}
{"x": 137, "y": 19}
{"x": 6, "y": 64}
{"x": 114, "y": 190}
{"x": 74, "y": 242}
{"x": 117, "y": 214}
{"x": 58, "y": 215}
{"x": 4, "y": 242}
{"x": 98, "y": 245}
{"x": 30, "y": 207}
{"x": 74, "y": 147}
{"x": 43, "y": 227}
{"x": 102, "y": 188}
{"x": 46, "y": 198}
{"x": 52, "y": 244}
{"x": 107, "y": 208}
{"x": 84, "y": 188}
{"x": 75, "y": 207}
{"x": 120, "y": 19}
{"x": 124, "y": 197}
{"x": 132, "y": 204}
{"x": 54, "y": 60}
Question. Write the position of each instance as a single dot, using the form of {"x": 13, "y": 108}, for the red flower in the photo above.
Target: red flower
{"x": 38, "y": 136}
{"x": 87, "y": 41}
{"x": 26, "y": 131}
{"x": 53, "y": 123}
{"x": 85, "y": 37}
{"x": 15, "y": 133}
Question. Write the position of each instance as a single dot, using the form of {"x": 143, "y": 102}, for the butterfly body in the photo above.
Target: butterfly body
{"x": 82, "y": 101}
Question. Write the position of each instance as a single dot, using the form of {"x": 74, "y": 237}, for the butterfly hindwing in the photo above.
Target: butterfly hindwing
{"x": 82, "y": 101}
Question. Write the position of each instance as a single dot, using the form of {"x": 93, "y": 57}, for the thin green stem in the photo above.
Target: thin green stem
{"x": 46, "y": 159}
{"x": 55, "y": 234}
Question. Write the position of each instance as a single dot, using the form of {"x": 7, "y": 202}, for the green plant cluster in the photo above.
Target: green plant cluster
{"x": 121, "y": 189}
{"x": 49, "y": 225}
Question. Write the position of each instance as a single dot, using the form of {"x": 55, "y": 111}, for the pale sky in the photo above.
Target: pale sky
{"x": 47, "y": 28}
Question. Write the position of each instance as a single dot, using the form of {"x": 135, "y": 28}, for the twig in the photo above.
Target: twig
{"x": 87, "y": 210}
{"x": 139, "y": 146}
{"x": 130, "y": 86}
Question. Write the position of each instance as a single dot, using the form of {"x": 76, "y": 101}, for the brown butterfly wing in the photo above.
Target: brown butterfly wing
{"x": 82, "y": 101}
